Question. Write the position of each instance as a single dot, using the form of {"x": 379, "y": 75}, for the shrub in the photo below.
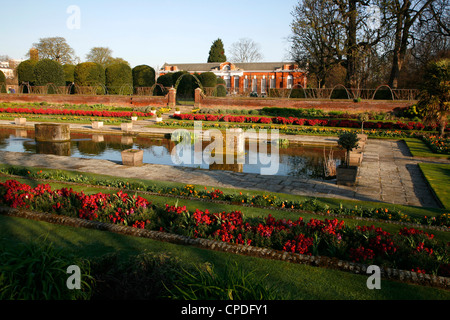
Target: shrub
{"x": 221, "y": 89}
{"x": 348, "y": 141}
{"x": 208, "y": 79}
{"x": 143, "y": 76}
{"x": 119, "y": 79}
{"x": 435, "y": 94}
{"x": 145, "y": 276}
{"x": 48, "y": 71}
{"x": 38, "y": 271}
{"x": 25, "y": 71}
{"x": 166, "y": 80}
{"x": 89, "y": 74}
{"x": 2, "y": 77}
{"x": 235, "y": 283}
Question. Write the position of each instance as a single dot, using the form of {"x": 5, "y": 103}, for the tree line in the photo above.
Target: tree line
{"x": 365, "y": 43}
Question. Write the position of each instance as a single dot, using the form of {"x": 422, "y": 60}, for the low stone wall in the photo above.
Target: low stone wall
{"x": 112, "y": 100}
{"x": 332, "y": 263}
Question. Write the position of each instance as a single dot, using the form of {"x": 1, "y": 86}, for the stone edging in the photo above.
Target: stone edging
{"x": 320, "y": 261}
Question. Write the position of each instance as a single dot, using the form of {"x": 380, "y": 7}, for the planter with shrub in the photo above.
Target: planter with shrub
{"x": 346, "y": 173}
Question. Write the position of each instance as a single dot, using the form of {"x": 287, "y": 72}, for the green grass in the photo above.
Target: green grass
{"x": 438, "y": 176}
{"x": 294, "y": 281}
{"x": 418, "y": 148}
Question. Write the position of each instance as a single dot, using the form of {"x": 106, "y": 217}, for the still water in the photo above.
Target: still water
{"x": 293, "y": 160}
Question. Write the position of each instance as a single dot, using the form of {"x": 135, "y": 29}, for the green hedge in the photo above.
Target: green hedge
{"x": 143, "y": 76}
{"x": 208, "y": 79}
{"x": 48, "y": 71}
{"x": 25, "y": 71}
{"x": 119, "y": 79}
{"x": 89, "y": 74}
{"x": 166, "y": 80}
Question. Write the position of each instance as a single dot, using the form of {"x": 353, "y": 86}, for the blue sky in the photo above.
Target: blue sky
{"x": 149, "y": 32}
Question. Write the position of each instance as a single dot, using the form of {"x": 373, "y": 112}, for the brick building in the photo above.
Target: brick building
{"x": 256, "y": 77}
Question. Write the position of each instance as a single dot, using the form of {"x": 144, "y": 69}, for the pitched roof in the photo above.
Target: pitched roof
{"x": 247, "y": 66}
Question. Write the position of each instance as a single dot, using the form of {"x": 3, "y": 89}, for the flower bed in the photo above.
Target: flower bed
{"x": 325, "y": 127}
{"x": 437, "y": 144}
{"x": 409, "y": 249}
{"x": 214, "y": 194}
{"x": 343, "y": 123}
{"x": 68, "y": 112}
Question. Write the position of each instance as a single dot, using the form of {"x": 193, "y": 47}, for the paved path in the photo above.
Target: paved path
{"x": 387, "y": 174}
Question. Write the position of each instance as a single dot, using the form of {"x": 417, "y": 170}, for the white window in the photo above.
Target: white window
{"x": 236, "y": 83}
{"x": 254, "y": 84}
{"x": 227, "y": 81}
{"x": 290, "y": 81}
{"x": 263, "y": 84}
{"x": 272, "y": 83}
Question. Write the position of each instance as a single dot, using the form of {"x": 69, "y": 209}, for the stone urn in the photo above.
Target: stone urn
{"x": 132, "y": 157}
{"x": 355, "y": 158}
{"x": 50, "y": 132}
{"x": 20, "y": 121}
{"x": 134, "y": 118}
{"x": 126, "y": 126}
{"x": 97, "y": 124}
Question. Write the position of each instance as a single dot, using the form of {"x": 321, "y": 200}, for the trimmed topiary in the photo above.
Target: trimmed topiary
{"x": 89, "y": 74}
{"x": 119, "y": 79}
{"x": 208, "y": 79}
{"x": 25, "y": 71}
{"x": 48, "y": 71}
{"x": 143, "y": 76}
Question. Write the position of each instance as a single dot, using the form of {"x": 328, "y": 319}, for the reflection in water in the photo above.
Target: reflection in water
{"x": 56, "y": 148}
{"x": 296, "y": 160}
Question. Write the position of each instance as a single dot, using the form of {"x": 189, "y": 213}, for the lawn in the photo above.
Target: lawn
{"x": 438, "y": 176}
{"x": 418, "y": 148}
{"x": 294, "y": 281}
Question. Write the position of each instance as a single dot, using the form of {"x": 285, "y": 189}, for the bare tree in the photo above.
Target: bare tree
{"x": 245, "y": 50}
{"x": 317, "y": 42}
{"x": 100, "y": 55}
{"x": 55, "y": 48}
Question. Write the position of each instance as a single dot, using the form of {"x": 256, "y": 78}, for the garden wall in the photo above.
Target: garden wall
{"x": 211, "y": 102}
{"x": 326, "y": 105}
{"x": 130, "y": 101}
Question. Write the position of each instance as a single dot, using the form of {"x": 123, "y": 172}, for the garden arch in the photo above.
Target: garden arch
{"x": 383, "y": 85}
{"x": 126, "y": 90}
{"x": 25, "y": 88}
{"x": 297, "y": 86}
{"x": 177, "y": 83}
{"x": 195, "y": 77}
{"x": 339, "y": 85}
